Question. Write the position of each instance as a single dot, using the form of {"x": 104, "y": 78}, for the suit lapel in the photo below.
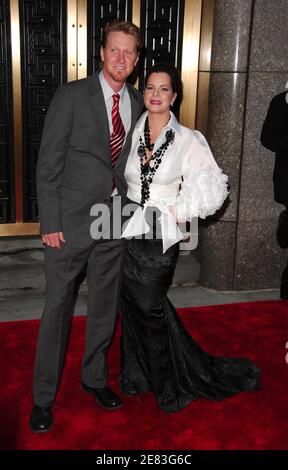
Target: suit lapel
{"x": 134, "y": 108}
{"x": 97, "y": 103}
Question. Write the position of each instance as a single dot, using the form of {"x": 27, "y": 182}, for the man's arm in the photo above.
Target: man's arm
{"x": 51, "y": 160}
{"x": 274, "y": 134}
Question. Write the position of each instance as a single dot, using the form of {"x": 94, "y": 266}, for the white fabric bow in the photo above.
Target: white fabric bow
{"x": 170, "y": 231}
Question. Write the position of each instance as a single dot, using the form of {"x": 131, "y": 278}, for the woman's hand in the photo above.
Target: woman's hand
{"x": 173, "y": 212}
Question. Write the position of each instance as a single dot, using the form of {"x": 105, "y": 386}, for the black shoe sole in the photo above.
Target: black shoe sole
{"x": 129, "y": 393}
{"x": 117, "y": 407}
{"x": 112, "y": 408}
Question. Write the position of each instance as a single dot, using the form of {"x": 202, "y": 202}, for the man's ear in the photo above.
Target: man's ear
{"x": 102, "y": 54}
{"x": 174, "y": 98}
{"x": 136, "y": 62}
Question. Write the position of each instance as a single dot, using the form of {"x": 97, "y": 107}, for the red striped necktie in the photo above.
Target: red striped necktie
{"x": 118, "y": 135}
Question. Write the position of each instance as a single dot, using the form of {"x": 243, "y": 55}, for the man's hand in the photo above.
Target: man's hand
{"x": 53, "y": 239}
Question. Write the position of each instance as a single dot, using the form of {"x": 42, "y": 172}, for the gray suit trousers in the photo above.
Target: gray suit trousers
{"x": 104, "y": 265}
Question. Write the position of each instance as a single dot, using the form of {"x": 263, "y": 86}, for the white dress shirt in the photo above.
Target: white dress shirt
{"x": 124, "y": 107}
{"x": 124, "y": 104}
{"x": 203, "y": 189}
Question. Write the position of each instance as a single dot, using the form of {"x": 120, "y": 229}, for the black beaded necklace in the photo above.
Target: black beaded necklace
{"x": 147, "y": 137}
{"x": 147, "y": 170}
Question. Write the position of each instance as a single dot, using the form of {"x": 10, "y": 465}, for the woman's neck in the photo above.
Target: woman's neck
{"x": 157, "y": 122}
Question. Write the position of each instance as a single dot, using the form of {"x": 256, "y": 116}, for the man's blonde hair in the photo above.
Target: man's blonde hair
{"x": 126, "y": 27}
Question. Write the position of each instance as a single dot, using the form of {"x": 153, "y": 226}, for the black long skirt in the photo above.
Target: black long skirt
{"x": 157, "y": 353}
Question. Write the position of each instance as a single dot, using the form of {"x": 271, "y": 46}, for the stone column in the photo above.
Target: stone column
{"x": 249, "y": 66}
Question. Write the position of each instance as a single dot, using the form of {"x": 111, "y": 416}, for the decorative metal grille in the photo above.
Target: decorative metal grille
{"x": 7, "y": 202}
{"x": 43, "y": 44}
{"x": 162, "y": 25}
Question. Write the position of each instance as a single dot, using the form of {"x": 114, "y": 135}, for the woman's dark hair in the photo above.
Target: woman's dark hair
{"x": 174, "y": 75}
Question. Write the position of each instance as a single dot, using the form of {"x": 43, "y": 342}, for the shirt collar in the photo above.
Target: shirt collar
{"x": 108, "y": 92}
{"x": 172, "y": 124}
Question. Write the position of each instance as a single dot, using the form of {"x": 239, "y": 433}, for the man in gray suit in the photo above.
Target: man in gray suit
{"x": 81, "y": 165}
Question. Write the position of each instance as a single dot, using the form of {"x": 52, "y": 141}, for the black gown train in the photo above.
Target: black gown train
{"x": 157, "y": 353}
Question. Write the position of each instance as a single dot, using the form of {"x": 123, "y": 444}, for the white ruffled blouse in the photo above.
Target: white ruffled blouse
{"x": 188, "y": 157}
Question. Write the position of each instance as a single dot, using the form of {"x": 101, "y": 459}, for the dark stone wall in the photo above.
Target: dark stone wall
{"x": 249, "y": 65}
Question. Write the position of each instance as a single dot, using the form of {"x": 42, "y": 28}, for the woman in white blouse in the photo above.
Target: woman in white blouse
{"x": 170, "y": 172}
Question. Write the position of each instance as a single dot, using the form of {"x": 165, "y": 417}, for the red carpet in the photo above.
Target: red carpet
{"x": 255, "y": 420}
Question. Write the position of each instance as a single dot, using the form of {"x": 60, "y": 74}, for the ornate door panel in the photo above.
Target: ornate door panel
{"x": 44, "y": 59}
{"x": 7, "y": 200}
{"x": 163, "y": 21}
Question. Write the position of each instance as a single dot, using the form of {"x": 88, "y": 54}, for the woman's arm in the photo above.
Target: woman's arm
{"x": 204, "y": 187}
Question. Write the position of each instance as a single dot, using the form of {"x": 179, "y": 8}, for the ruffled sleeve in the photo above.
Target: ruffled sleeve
{"x": 204, "y": 186}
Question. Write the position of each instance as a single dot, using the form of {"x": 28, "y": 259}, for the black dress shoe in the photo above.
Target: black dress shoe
{"x": 105, "y": 397}
{"x": 41, "y": 419}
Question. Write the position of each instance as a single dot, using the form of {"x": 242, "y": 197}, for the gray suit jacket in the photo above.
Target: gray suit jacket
{"x": 74, "y": 169}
